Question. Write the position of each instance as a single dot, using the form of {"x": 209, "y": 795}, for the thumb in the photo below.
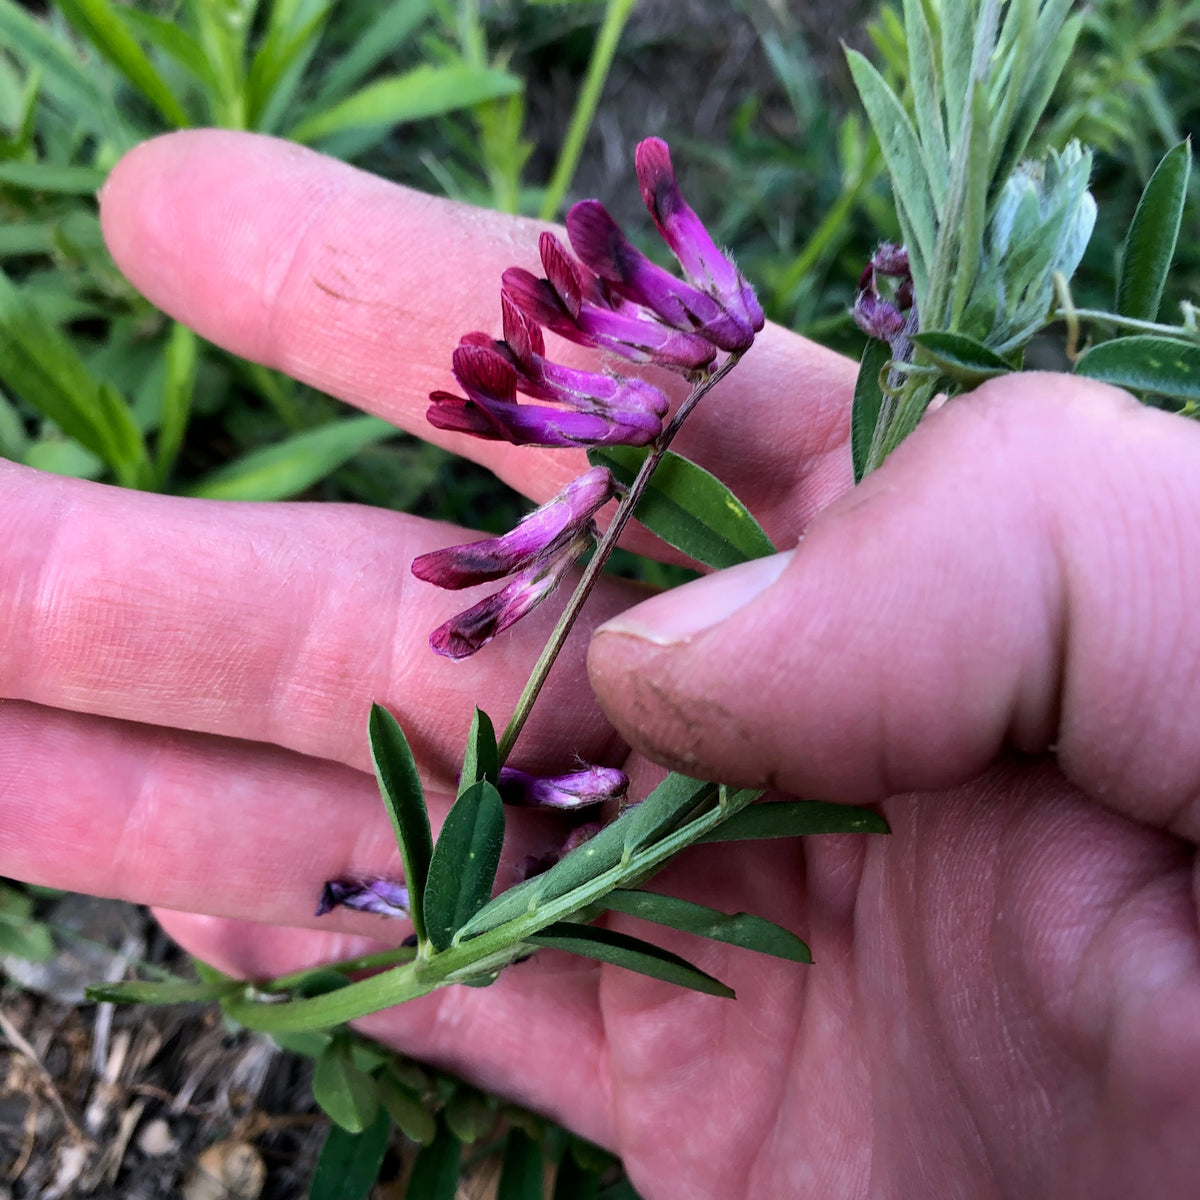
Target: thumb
{"x": 1022, "y": 571}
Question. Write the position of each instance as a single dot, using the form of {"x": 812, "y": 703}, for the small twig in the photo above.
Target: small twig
{"x": 18, "y": 1042}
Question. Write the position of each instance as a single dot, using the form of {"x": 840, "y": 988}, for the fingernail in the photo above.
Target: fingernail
{"x": 685, "y": 612}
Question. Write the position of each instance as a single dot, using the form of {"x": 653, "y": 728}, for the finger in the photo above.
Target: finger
{"x": 276, "y": 623}
{"x": 535, "y": 1035}
{"x": 209, "y": 825}
{"x": 1022, "y": 570}
{"x": 363, "y": 288}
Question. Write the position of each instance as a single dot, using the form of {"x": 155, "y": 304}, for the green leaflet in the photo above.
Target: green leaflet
{"x": 463, "y": 866}
{"x": 632, "y": 953}
{"x": 1159, "y": 365}
{"x": 403, "y": 797}
{"x": 295, "y": 464}
{"x": 342, "y": 1089}
{"x": 1153, "y": 234}
{"x": 964, "y": 359}
{"x": 868, "y": 402}
{"x": 689, "y": 508}
{"x": 795, "y": 818}
{"x": 407, "y": 1109}
{"x": 573, "y": 1181}
{"x": 166, "y": 991}
{"x": 481, "y": 761}
{"x": 737, "y": 929}
{"x": 521, "y": 1169}
{"x": 350, "y": 1162}
{"x": 425, "y": 91}
{"x": 435, "y": 1172}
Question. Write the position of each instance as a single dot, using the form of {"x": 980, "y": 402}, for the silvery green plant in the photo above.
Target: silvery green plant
{"x": 991, "y": 234}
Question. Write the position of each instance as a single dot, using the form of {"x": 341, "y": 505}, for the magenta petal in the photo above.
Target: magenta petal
{"x": 703, "y": 263}
{"x": 493, "y": 558}
{"x": 379, "y": 896}
{"x": 576, "y": 789}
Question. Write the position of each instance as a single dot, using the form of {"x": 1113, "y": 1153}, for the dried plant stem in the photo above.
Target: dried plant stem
{"x": 604, "y": 549}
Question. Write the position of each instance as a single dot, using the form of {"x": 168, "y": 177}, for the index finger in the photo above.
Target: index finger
{"x": 362, "y": 288}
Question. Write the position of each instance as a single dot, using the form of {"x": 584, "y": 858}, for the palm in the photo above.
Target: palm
{"x": 190, "y": 685}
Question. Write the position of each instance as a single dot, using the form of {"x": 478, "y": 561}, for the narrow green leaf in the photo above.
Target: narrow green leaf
{"x": 179, "y": 382}
{"x": 925, "y": 80}
{"x": 388, "y": 30}
{"x": 425, "y": 91}
{"x": 31, "y": 941}
{"x": 956, "y": 44}
{"x": 1153, "y": 235}
{"x": 407, "y": 1109}
{"x": 964, "y": 359}
{"x": 972, "y": 219}
{"x": 1146, "y": 364}
{"x": 174, "y": 41}
{"x": 737, "y": 929}
{"x": 42, "y": 367}
{"x": 689, "y": 508}
{"x": 400, "y": 786}
{"x": 295, "y": 464}
{"x": 482, "y": 760}
{"x": 166, "y": 991}
{"x": 521, "y": 1169}
{"x": 436, "y": 1169}
{"x": 349, "y": 1163}
{"x": 46, "y": 177}
{"x": 343, "y": 1091}
{"x": 99, "y": 23}
{"x": 621, "y": 950}
{"x": 868, "y": 402}
{"x": 675, "y": 795}
{"x": 279, "y": 63}
{"x": 66, "y": 78}
{"x": 902, "y": 153}
{"x": 795, "y": 818}
{"x": 463, "y": 867}
{"x": 573, "y": 1181}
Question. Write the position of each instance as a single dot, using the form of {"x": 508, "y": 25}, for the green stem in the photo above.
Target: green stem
{"x": 605, "y": 547}
{"x": 605, "y": 49}
{"x": 1115, "y": 319}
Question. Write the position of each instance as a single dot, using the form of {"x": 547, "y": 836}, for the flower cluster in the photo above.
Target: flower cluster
{"x": 610, "y": 297}
{"x": 874, "y": 313}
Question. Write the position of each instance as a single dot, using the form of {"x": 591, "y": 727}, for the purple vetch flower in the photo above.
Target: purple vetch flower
{"x": 873, "y": 313}
{"x": 535, "y": 536}
{"x": 579, "y": 306}
{"x": 491, "y": 410}
{"x": 577, "y": 789}
{"x": 703, "y": 263}
{"x": 471, "y": 630}
{"x": 379, "y": 896}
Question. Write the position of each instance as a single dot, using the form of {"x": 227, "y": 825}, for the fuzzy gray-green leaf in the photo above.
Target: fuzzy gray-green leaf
{"x": 689, "y": 508}
{"x": 620, "y": 950}
{"x": 1159, "y": 365}
{"x": 737, "y": 929}
{"x": 1153, "y": 234}
{"x": 463, "y": 866}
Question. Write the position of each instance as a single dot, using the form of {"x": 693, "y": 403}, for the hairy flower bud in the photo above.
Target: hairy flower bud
{"x": 576, "y": 789}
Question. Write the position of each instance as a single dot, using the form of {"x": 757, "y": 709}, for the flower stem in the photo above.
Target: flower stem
{"x": 604, "y": 548}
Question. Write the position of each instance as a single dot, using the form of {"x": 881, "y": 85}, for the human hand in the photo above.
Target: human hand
{"x": 1004, "y": 999}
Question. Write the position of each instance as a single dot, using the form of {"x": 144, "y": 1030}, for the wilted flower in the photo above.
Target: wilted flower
{"x": 873, "y": 313}
{"x": 379, "y": 896}
{"x": 576, "y": 789}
